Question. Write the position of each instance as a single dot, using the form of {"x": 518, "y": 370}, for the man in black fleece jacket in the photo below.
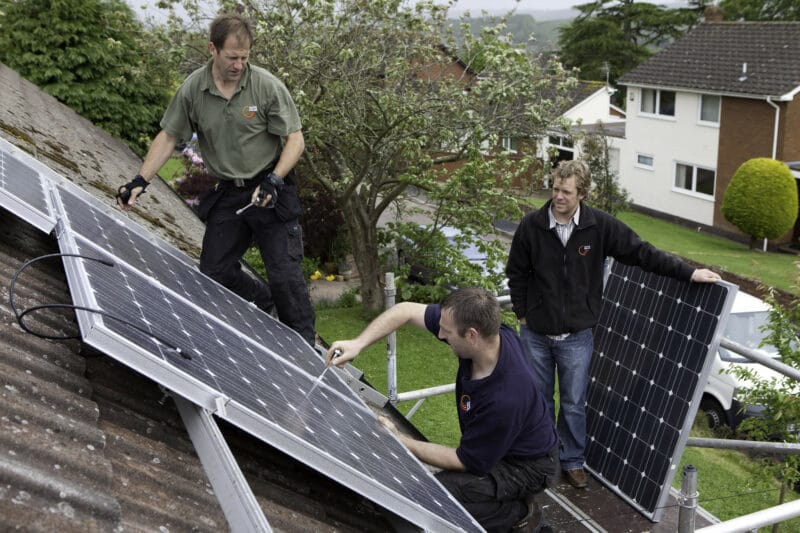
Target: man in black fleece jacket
{"x": 555, "y": 274}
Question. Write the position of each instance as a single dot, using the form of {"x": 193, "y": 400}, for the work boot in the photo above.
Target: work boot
{"x": 534, "y": 521}
{"x": 577, "y": 478}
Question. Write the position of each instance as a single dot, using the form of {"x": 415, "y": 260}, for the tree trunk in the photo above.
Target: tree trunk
{"x": 364, "y": 239}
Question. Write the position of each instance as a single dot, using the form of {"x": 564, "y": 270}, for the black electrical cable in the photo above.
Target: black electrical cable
{"x": 20, "y": 315}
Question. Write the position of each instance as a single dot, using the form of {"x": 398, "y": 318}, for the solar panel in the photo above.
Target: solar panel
{"x": 235, "y": 361}
{"x": 129, "y": 243}
{"x": 651, "y": 360}
{"x": 22, "y": 188}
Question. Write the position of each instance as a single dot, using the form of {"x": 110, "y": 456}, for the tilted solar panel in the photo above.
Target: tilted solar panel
{"x": 235, "y": 361}
{"x": 22, "y": 187}
{"x": 652, "y": 354}
{"x": 129, "y": 243}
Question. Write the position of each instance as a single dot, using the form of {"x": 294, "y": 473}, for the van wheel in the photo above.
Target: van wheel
{"x": 715, "y": 415}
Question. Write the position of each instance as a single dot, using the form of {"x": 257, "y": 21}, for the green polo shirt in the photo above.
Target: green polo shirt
{"x": 239, "y": 137}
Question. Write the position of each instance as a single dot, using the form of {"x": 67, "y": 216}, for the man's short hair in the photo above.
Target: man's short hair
{"x": 577, "y": 168}
{"x": 474, "y": 307}
{"x": 228, "y": 24}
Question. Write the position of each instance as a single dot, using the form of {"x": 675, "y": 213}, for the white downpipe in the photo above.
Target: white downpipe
{"x": 774, "y": 141}
{"x": 775, "y": 129}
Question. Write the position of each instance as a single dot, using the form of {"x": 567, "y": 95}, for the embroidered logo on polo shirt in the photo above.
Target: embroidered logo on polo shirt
{"x": 249, "y": 111}
{"x": 465, "y": 403}
{"x": 584, "y": 249}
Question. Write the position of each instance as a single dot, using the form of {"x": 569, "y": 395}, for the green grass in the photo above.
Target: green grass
{"x": 422, "y": 361}
{"x": 776, "y": 269}
{"x": 172, "y": 169}
{"x": 731, "y": 483}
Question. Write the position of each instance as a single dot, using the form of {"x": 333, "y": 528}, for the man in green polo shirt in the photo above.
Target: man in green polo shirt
{"x": 250, "y": 138}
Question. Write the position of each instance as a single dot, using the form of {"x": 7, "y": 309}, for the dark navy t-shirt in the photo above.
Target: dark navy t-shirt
{"x": 503, "y": 414}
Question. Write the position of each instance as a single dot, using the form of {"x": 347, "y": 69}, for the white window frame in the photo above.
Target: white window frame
{"x": 645, "y": 166}
{"x": 561, "y": 145}
{"x": 700, "y": 111}
{"x": 657, "y": 96}
{"x": 508, "y": 142}
{"x": 693, "y": 191}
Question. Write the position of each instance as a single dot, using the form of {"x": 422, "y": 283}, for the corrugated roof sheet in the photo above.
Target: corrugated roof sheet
{"x": 711, "y": 58}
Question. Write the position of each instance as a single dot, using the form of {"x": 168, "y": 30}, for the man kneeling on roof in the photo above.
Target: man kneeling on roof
{"x": 508, "y": 445}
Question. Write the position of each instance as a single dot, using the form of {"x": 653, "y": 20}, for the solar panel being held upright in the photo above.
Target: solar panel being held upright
{"x": 651, "y": 359}
{"x": 236, "y": 361}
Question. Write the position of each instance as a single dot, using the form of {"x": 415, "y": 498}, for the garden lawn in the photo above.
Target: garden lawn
{"x": 776, "y": 269}
{"x": 422, "y": 361}
{"x": 172, "y": 170}
{"x": 731, "y": 483}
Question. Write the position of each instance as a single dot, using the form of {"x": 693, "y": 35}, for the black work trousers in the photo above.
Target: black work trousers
{"x": 497, "y": 500}
{"x": 227, "y": 238}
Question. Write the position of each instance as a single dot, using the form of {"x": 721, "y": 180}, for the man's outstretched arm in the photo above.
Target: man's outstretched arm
{"x": 390, "y": 320}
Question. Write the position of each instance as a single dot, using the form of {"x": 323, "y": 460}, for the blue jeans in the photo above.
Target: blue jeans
{"x": 570, "y": 358}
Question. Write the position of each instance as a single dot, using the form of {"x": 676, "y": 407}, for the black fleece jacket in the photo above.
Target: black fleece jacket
{"x": 559, "y": 289}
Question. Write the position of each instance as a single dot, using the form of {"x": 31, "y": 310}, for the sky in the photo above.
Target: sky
{"x": 475, "y": 7}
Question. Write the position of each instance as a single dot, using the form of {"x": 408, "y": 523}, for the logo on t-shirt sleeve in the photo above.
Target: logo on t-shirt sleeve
{"x": 465, "y": 403}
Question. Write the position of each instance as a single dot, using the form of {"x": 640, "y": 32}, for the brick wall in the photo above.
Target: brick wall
{"x": 746, "y": 131}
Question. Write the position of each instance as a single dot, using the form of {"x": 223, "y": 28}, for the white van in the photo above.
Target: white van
{"x": 719, "y": 402}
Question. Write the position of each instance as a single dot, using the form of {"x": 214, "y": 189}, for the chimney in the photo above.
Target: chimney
{"x": 713, "y": 13}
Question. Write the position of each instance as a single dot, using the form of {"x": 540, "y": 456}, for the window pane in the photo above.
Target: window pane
{"x": 566, "y": 141}
{"x": 667, "y": 103}
{"x": 683, "y": 177}
{"x": 645, "y": 160}
{"x": 705, "y": 181}
{"x": 648, "y": 104}
{"x": 709, "y": 108}
{"x": 554, "y": 139}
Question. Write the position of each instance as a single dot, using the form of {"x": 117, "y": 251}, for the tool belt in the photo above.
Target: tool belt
{"x": 252, "y": 183}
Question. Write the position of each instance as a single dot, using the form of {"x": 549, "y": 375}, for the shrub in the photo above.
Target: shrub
{"x": 761, "y": 199}
{"x": 195, "y": 180}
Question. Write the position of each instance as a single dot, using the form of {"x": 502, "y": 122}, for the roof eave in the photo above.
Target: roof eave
{"x": 786, "y": 97}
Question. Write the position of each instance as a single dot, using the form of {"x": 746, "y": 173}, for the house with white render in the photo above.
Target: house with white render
{"x": 724, "y": 93}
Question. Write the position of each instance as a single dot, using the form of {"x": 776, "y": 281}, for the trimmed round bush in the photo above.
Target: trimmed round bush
{"x": 761, "y": 199}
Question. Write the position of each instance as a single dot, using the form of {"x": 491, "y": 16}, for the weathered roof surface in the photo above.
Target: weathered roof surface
{"x": 711, "y": 57}
{"x": 86, "y": 444}
{"x": 94, "y": 160}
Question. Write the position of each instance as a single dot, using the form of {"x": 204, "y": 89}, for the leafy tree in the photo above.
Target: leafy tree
{"x": 607, "y": 194}
{"x": 618, "y": 35}
{"x": 758, "y": 183}
{"x": 94, "y": 56}
{"x": 783, "y": 10}
{"x": 383, "y": 110}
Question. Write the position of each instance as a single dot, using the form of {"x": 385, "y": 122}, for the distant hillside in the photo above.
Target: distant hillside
{"x": 522, "y": 26}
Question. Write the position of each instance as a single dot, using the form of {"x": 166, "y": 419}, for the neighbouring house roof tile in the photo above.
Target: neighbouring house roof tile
{"x": 710, "y": 58}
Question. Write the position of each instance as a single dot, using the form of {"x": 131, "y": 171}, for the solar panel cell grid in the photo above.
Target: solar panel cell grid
{"x": 21, "y": 189}
{"x": 649, "y": 364}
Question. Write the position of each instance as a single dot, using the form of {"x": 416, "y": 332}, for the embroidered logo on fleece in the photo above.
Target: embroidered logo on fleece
{"x": 249, "y": 111}
{"x": 584, "y": 249}
{"x": 465, "y": 403}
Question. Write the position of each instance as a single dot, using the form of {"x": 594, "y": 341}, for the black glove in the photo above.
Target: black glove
{"x": 271, "y": 185}
{"x": 124, "y": 192}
